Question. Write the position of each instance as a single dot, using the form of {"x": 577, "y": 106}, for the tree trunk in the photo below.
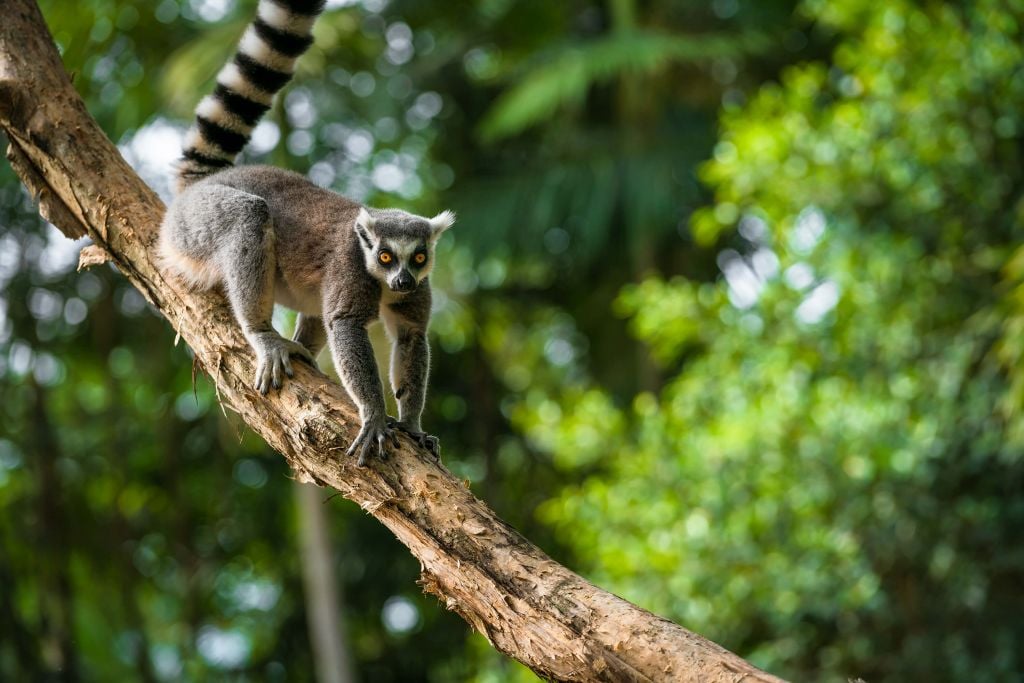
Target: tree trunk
{"x": 528, "y": 606}
{"x": 323, "y": 595}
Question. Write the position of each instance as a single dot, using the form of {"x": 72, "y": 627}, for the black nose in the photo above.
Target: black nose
{"x": 404, "y": 282}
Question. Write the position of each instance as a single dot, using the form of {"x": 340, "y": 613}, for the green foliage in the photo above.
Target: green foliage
{"x": 831, "y": 479}
{"x": 599, "y": 131}
{"x": 813, "y": 457}
{"x": 563, "y": 77}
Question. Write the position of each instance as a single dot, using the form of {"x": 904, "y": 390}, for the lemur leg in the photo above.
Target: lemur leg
{"x": 310, "y": 332}
{"x": 244, "y": 253}
{"x": 410, "y": 366}
{"x": 354, "y": 361}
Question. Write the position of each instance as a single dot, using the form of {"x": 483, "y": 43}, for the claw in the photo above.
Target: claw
{"x": 372, "y": 440}
{"x": 422, "y": 439}
{"x": 364, "y": 454}
{"x": 432, "y": 444}
{"x": 273, "y": 361}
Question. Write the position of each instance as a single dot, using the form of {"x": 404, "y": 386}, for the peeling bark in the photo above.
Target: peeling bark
{"x": 528, "y": 606}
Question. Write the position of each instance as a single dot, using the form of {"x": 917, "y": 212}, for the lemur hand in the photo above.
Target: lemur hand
{"x": 424, "y": 440}
{"x": 373, "y": 439}
{"x": 273, "y": 360}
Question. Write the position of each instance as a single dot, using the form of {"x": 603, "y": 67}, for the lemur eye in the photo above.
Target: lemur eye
{"x": 419, "y": 259}
{"x": 385, "y": 257}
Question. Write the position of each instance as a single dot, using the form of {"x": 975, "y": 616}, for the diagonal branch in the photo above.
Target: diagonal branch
{"x": 530, "y": 607}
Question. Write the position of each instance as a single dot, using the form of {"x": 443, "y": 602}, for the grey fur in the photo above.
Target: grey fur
{"x": 267, "y": 235}
{"x": 310, "y": 332}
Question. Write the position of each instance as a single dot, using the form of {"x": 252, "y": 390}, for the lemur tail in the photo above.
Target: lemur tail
{"x": 263, "y": 64}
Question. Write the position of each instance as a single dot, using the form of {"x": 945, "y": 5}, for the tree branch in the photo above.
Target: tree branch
{"x": 528, "y": 606}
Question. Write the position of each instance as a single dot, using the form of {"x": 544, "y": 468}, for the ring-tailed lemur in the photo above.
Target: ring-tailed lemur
{"x": 269, "y": 235}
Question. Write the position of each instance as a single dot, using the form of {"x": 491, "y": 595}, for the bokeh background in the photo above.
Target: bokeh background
{"x": 731, "y": 323}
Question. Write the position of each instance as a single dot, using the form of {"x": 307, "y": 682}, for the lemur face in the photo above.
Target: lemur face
{"x": 398, "y": 247}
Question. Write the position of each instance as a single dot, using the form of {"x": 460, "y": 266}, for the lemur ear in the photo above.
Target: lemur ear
{"x": 441, "y": 222}
{"x": 364, "y": 220}
{"x": 363, "y": 226}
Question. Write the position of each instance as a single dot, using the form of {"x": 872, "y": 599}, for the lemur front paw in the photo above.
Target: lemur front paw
{"x": 373, "y": 439}
{"x": 422, "y": 439}
{"x": 273, "y": 361}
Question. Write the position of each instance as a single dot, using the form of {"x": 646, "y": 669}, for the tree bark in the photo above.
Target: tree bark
{"x": 528, "y": 606}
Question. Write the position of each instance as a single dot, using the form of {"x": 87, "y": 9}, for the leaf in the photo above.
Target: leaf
{"x": 564, "y": 79}
{"x": 192, "y": 68}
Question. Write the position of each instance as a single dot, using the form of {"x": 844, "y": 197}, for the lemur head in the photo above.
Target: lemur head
{"x": 398, "y": 246}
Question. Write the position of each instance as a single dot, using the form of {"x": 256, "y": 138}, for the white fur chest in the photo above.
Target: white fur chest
{"x": 388, "y": 297}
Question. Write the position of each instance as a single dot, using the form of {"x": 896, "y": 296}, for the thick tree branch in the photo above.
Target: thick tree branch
{"x": 530, "y": 607}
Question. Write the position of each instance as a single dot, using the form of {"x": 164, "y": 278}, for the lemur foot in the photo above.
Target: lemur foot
{"x": 424, "y": 440}
{"x": 373, "y": 439}
{"x": 273, "y": 361}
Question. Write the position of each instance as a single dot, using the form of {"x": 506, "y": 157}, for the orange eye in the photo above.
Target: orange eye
{"x": 384, "y": 257}
{"x": 420, "y": 258}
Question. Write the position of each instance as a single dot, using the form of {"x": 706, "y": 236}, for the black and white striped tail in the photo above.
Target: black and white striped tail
{"x": 246, "y": 86}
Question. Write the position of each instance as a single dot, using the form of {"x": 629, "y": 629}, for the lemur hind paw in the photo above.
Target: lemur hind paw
{"x": 273, "y": 362}
{"x": 373, "y": 439}
{"x": 428, "y": 441}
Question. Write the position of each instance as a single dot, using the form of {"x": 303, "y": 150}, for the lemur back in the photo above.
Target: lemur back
{"x": 265, "y": 234}
{"x": 262, "y": 65}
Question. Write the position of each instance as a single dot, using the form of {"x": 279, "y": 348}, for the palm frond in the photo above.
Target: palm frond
{"x": 636, "y": 194}
{"x": 568, "y": 74}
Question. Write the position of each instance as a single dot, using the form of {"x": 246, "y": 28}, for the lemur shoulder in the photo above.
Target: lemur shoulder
{"x": 268, "y": 235}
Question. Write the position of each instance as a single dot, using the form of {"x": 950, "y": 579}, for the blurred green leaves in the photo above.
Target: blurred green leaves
{"x": 816, "y": 456}
{"x": 831, "y": 477}
{"x": 563, "y": 77}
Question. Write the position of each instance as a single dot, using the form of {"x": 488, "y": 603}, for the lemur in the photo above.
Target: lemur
{"x": 265, "y": 234}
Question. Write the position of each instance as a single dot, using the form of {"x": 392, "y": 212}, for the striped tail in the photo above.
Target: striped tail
{"x": 246, "y": 86}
